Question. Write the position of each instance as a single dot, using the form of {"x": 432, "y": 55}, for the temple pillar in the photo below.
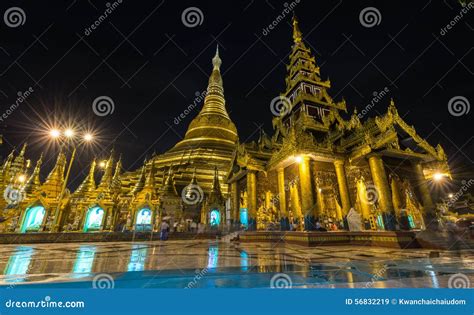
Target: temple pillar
{"x": 396, "y": 195}
{"x": 343, "y": 188}
{"x": 377, "y": 170}
{"x": 365, "y": 207}
{"x": 252, "y": 200}
{"x": 235, "y": 207}
{"x": 321, "y": 210}
{"x": 307, "y": 198}
{"x": 284, "y": 221}
{"x": 429, "y": 215}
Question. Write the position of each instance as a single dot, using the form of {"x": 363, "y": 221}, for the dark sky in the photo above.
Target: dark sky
{"x": 151, "y": 65}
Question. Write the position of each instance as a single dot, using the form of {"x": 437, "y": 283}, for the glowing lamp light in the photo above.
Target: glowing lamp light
{"x": 102, "y": 164}
{"x": 54, "y": 133}
{"x": 21, "y": 178}
{"x": 88, "y": 137}
{"x": 450, "y": 195}
{"x": 299, "y": 159}
{"x": 69, "y": 133}
{"x": 437, "y": 177}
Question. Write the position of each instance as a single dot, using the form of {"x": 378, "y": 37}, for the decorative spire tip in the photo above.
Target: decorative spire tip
{"x": 216, "y": 61}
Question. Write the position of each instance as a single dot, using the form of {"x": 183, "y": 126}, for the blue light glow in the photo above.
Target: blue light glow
{"x": 244, "y": 218}
{"x": 33, "y": 219}
{"x": 144, "y": 216}
{"x": 94, "y": 219}
{"x": 215, "y": 217}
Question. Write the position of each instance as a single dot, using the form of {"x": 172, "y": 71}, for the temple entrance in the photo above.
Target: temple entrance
{"x": 143, "y": 220}
{"x": 94, "y": 218}
{"x": 33, "y": 219}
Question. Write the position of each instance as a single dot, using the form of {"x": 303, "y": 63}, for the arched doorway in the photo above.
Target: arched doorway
{"x": 33, "y": 219}
{"x": 94, "y": 218}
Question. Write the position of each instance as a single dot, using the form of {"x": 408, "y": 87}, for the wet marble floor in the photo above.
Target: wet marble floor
{"x": 202, "y": 263}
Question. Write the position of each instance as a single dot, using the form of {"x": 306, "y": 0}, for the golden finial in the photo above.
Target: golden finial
{"x": 297, "y": 36}
{"x": 216, "y": 61}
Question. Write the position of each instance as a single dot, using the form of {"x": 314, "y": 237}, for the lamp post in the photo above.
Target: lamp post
{"x": 69, "y": 135}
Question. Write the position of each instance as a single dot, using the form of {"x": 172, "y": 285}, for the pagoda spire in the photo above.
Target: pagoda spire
{"x": 214, "y": 103}
{"x": 116, "y": 179}
{"x": 215, "y": 196}
{"x": 212, "y": 126}
{"x": 150, "y": 178}
{"x": 216, "y": 61}
{"x": 6, "y": 166}
{"x": 55, "y": 179}
{"x": 34, "y": 182}
{"x": 106, "y": 180}
{"x": 140, "y": 182}
{"x": 297, "y": 35}
{"x": 168, "y": 187}
{"x": 88, "y": 185}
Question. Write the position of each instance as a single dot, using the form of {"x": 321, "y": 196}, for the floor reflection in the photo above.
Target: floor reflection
{"x": 244, "y": 260}
{"x": 18, "y": 264}
{"x": 172, "y": 263}
{"x": 137, "y": 258}
{"x": 213, "y": 256}
{"x": 84, "y": 261}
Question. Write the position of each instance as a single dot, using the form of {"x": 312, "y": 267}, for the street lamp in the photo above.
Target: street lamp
{"x": 54, "y": 133}
{"x": 88, "y": 137}
{"x": 69, "y": 134}
{"x": 438, "y": 177}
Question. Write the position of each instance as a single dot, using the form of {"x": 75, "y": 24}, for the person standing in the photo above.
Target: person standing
{"x": 165, "y": 227}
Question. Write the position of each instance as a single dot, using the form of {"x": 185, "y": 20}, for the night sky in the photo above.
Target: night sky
{"x": 151, "y": 65}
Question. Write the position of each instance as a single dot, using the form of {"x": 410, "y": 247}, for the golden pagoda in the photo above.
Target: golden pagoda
{"x": 320, "y": 166}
